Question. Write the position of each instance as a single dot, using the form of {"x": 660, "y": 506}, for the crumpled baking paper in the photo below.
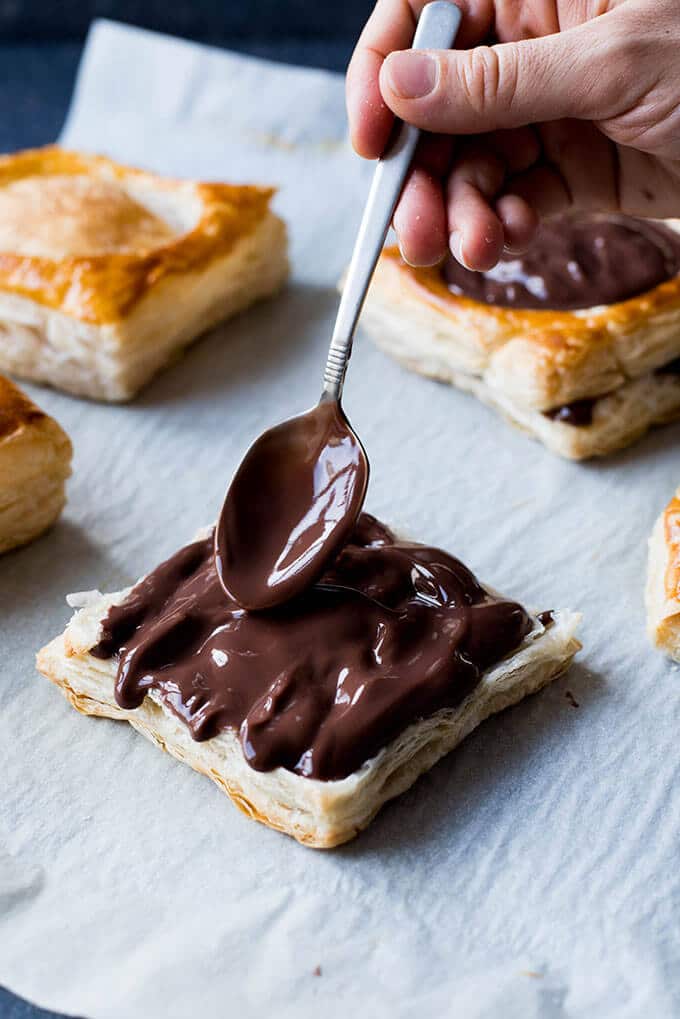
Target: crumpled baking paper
{"x": 534, "y": 873}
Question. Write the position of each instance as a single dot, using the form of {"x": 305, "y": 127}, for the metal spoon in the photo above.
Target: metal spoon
{"x": 299, "y": 490}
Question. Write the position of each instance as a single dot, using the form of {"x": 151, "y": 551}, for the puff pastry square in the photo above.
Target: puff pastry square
{"x": 529, "y": 363}
{"x": 35, "y": 461}
{"x": 107, "y": 273}
{"x": 317, "y": 813}
{"x": 662, "y": 594}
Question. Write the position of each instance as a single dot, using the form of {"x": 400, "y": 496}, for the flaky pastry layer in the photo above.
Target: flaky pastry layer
{"x": 316, "y": 813}
{"x": 662, "y": 593}
{"x": 107, "y": 272}
{"x": 484, "y": 350}
{"x": 540, "y": 359}
{"x": 35, "y": 461}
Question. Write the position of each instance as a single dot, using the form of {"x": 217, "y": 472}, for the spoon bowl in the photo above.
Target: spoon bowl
{"x": 291, "y": 506}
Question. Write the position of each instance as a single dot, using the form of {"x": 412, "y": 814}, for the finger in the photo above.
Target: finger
{"x": 543, "y": 189}
{"x": 517, "y": 19}
{"x": 420, "y": 220}
{"x": 434, "y": 154}
{"x": 519, "y": 222}
{"x": 476, "y": 232}
{"x": 648, "y": 187}
{"x": 574, "y": 148}
{"x": 391, "y": 27}
{"x": 505, "y": 86}
{"x": 519, "y": 148}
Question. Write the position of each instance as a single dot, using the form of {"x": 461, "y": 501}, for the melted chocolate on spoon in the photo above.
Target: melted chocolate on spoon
{"x": 290, "y": 507}
{"x": 391, "y": 633}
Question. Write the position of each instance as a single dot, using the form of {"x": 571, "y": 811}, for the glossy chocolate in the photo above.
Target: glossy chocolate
{"x": 578, "y": 413}
{"x": 290, "y": 507}
{"x": 392, "y": 633}
{"x": 576, "y": 262}
{"x": 672, "y": 368}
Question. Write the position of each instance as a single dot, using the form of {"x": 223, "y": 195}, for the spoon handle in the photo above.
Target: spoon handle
{"x": 437, "y": 28}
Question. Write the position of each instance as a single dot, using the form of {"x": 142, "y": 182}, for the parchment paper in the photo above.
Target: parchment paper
{"x": 534, "y": 872}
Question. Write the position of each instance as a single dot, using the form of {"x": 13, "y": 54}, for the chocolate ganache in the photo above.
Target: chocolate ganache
{"x": 575, "y": 262}
{"x": 290, "y": 507}
{"x": 671, "y": 368}
{"x": 578, "y": 413}
{"x": 391, "y": 633}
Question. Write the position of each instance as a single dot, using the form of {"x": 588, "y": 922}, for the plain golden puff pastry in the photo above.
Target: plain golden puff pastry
{"x": 35, "y": 461}
{"x": 585, "y": 382}
{"x": 321, "y": 814}
{"x": 106, "y": 272}
{"x": 663, "y": 581}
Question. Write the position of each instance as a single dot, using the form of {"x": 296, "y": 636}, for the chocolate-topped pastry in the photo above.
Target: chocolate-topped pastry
{"x": 576, "y": 341}
{"x": 392, "y": 632}
{"x": 313, "y": 714}
{"x": 575, "y": 262}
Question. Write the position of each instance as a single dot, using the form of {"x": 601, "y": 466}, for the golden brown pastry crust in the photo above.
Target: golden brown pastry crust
{"x": 316, "y": 813}
{"x": 107, "y": 273}
{"x": 671, "y": 530}
{"x": 17, "y": 411}
{"x": 663, "y": 581}
{"x": 102, "y": 286}
{"x": 35, "y": 461}
{"x": 524, "y": 362}
{"x": 544, "y": 359}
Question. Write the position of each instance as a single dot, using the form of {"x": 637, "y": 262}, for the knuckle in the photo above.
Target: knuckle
{"x": 481, "y": 78}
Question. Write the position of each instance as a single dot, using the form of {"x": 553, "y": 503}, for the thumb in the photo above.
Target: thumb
{"x": 509, "y": 85}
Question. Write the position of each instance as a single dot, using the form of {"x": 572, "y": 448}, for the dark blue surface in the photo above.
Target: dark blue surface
{"x": 37, "y": 75}
{"x": 213, "y": 21}
{"x": 12, "y": 1007}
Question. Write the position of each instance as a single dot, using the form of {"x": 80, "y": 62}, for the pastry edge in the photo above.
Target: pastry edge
{"x": 620, "y": 418}
{"x": 35, "y": 463}
{"x": 105, "y": 287}
{"x": 320, "y": 814}
{"x": 539, "y": 359}
{"x": 113, "y": 361}
{"x": 662, "y": 591}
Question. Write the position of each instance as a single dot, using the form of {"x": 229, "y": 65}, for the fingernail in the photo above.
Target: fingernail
{"x": 401, "y": 252}
{"x": 456, "y": 246}
{"x": 412, "y": 75}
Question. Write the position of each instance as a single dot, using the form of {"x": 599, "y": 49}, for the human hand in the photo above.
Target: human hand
{"x": 577, "y": 106}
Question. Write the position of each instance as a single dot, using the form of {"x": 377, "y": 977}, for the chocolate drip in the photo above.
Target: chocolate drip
{"x": 576, "y": 262}
{"x": 392, "y": 632}
{"x": 672, "y": 368}
{"x": 578, "y": 413}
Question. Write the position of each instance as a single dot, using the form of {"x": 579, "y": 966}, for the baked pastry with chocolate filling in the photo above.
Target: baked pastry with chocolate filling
{"x": 311, "y": 715}
{"x": 35, "y": 461}
{"x": 107, "y": 273}
{"x": 577, "y": 341}
{"x": 662, "y": 594}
